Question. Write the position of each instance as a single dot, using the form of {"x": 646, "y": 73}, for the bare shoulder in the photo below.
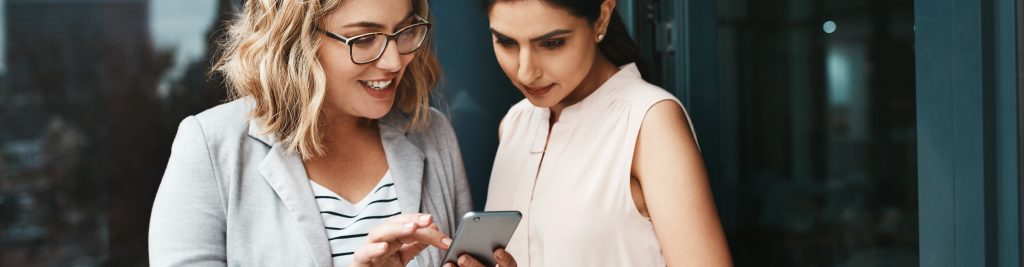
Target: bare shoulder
{"x": 665, "y": 139}
{"x": 665, "y": 119}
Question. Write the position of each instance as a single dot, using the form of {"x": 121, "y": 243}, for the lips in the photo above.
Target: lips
{"x": 538, "y": 91}
{"x": 379, "y": 88}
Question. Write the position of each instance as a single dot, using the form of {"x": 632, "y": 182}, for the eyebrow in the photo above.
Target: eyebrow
{"x": 542, "y": 37}
{"x": 373, "y": 25}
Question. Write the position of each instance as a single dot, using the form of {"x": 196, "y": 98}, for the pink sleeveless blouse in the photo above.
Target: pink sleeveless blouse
{"x": 577, "y": 206}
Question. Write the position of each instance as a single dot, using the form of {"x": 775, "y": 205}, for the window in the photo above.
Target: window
{"x": 811, "y": 123}
{"x": 93, "y": 91}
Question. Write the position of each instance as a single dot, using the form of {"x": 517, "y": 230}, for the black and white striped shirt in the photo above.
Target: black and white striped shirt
{"x": 348, "y": 224}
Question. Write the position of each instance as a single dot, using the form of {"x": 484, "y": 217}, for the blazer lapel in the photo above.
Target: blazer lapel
{"x": 405, "y": 160}
{"x": 285, "y": 173}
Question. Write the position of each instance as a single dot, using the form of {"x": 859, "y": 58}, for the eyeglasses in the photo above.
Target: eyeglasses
{"x": 369, "y": 47}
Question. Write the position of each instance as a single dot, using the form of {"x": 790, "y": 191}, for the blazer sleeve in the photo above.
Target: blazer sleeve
{"x": 187, "y": 226}
{"x": 463, "y": 198}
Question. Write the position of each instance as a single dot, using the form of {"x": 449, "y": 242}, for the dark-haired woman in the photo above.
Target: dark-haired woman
{"x": 603, "y": 165}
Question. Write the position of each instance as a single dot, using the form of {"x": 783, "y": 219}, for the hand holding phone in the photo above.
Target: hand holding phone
{"x": 481, "y": 232}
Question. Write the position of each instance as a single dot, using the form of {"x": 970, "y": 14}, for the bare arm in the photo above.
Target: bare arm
{"x": 668, "y": 165}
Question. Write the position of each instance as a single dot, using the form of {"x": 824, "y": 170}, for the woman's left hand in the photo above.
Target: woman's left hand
{"x": 501, "y": 257}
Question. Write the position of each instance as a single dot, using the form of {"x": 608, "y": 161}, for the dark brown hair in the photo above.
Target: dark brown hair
{"x": 617, "y": 45}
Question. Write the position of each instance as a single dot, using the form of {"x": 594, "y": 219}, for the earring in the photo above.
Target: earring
{"x": 600, "y": 38}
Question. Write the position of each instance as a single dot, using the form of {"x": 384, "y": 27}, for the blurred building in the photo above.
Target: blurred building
{"x": 828, "y": 142}
{"x": 73, "y": 66}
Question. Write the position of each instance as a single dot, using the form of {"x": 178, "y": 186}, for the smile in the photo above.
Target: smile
{"x": 378, "y": 85}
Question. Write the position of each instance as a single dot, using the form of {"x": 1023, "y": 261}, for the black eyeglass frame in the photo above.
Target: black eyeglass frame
{"x": 389, "y": 36}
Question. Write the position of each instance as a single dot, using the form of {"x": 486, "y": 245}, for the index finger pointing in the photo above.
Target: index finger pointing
{"x": 433, "y": 236}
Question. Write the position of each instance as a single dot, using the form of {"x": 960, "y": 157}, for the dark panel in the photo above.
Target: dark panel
{"x": 936, "y": 185}
{"x": 816, "y": 114}
{"x": 474, "y": 91}
{"x": 969, "y": 133}
{"x": 1006, "y": 146}
{"x": 1020, "y": 117}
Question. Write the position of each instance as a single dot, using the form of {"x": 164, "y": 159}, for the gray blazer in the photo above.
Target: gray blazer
{"x": 234, "y": 196}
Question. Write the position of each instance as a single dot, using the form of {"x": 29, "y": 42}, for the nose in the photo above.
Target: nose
{"x": 528, "y": 72}
{"x": 391, "y": 60}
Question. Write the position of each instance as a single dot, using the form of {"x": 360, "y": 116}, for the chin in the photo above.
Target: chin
{"x": 376, "y": 112}
{"x": 541, "y": 101}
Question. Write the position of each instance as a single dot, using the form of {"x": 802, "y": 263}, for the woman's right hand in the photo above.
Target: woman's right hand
{"x": 501, "y": 258}
{"x": 398, "y": 240}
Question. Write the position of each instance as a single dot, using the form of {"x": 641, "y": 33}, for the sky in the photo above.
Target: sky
{"x": 180, "y": 26}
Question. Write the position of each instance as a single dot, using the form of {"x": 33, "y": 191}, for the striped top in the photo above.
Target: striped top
{"x": 348, "y": 224}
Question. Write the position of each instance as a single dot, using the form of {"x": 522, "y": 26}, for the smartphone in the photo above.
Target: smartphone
{"x": 480, "y": 233}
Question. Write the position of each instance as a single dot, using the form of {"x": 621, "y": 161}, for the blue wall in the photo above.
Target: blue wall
{"x": 968, "y": 128}
{"x": 474, "y": 90}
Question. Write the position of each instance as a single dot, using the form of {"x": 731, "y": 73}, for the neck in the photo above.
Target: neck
{"x": 344, "y": 128}
{"x": 599, "y": 73}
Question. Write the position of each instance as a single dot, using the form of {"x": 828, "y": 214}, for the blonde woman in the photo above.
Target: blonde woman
{"x": 328, "y": 156}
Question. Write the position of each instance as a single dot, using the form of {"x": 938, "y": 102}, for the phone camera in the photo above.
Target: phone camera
{"x": 476, "y": 219}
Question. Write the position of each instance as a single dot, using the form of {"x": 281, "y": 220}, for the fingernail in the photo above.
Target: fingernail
{"x": 425, "y": 218}
{"x": 500, "y": 254}
{"x": 462, "y": 260}
{"x": 449, "y": 265}
{"x": 446, "y": 241}
{"x": 408, "y": 225}
{"x": 382, "y": 247}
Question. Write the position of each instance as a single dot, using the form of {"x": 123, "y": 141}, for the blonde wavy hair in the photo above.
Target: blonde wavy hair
{"x": 270, "y": 54}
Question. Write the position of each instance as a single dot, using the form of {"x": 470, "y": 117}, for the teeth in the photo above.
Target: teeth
{"x": 377, "y": 85}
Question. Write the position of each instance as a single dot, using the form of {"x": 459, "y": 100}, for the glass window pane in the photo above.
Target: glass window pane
{"x": 825, "y": 116}
{"x": 92, "y": 93}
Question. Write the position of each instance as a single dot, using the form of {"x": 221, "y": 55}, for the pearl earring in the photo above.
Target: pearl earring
{"x": 600, "y": 38}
